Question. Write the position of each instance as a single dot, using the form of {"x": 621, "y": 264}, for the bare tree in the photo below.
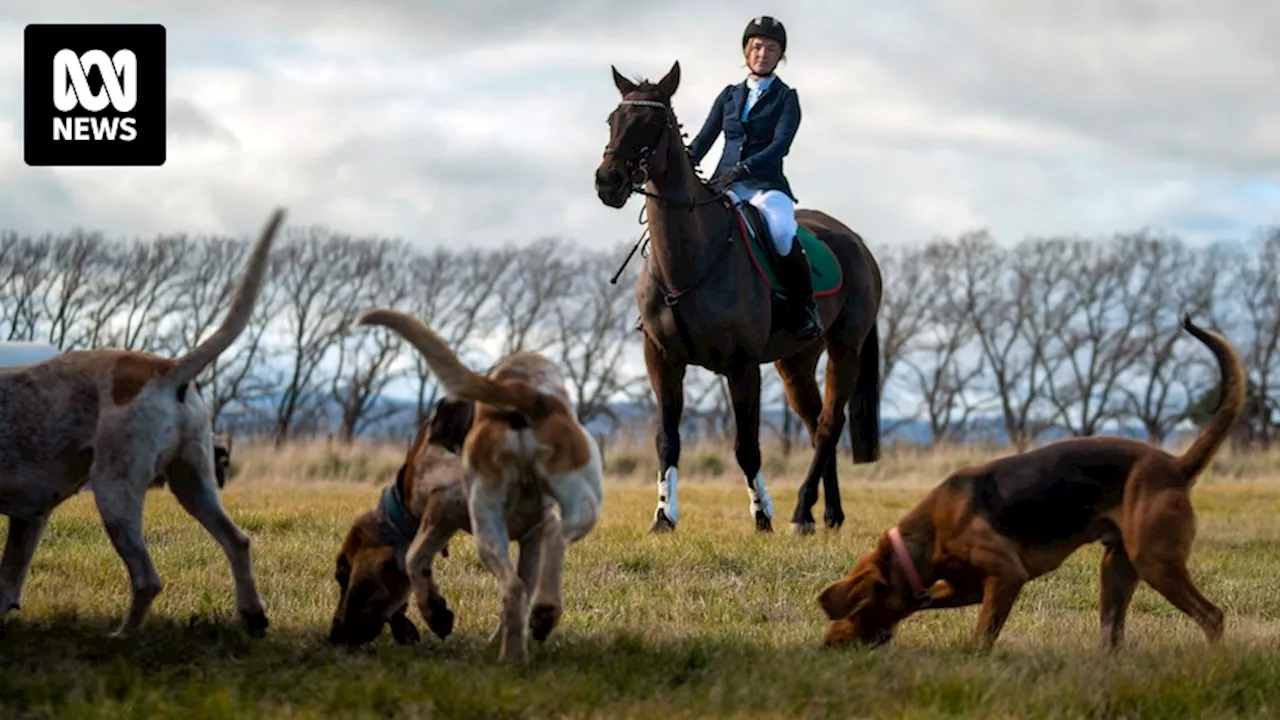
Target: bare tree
{"x": 1009, "y": 299}
{"x": 76, "y": 259}
{"x": 593, "y": 334}
{"x": 1090, "y": 352}
{"x": 525, "y": 298}
{"x": 1165, "y": 278}
{"x": 157, "y": 286}
{"x": 450, "y": 292}
{"x": 773, "y": 394}
{"x": 26, "y": 271}
{"x": 942, "y": 360}
{"x": 365, "y": 356}
{"x": 1255, "y": 287}
{"x": 707, "y": 411}
{"x": 209, "y": 275}
{"x": 904, "y": 308}
{"x": 237, "y": 378}
{"x": 321, "y": 278}
{"x": 211, "y": 272}
{"x": 138, "y": 291}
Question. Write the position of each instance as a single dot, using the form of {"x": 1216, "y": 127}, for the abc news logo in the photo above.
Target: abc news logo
{"x": 94, "y": 95}
{"x": 71, "y": 90}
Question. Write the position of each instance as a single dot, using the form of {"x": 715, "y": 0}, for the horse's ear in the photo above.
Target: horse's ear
{"x": 624, "y": 85}
{"x": 671, "y": 81}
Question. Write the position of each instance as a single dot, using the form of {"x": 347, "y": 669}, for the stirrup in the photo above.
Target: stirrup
{"x": 806, "y": 322}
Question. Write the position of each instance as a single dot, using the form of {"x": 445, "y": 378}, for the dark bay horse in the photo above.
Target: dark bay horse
{"x": 703, "y": 301}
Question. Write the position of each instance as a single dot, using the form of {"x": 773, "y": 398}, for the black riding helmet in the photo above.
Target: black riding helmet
{"x": 765, "y": 26}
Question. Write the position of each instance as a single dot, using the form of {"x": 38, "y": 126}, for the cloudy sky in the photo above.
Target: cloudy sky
{"x": 483, "y": 125}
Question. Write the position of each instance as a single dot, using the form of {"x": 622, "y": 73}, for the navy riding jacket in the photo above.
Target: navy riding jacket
{"x": 761, "y": 142}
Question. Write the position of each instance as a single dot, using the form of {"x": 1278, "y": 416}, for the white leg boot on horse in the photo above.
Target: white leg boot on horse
{"x": 667, "y": 514}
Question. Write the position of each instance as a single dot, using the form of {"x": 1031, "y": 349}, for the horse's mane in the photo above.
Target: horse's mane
{"x": 645, "y": 85}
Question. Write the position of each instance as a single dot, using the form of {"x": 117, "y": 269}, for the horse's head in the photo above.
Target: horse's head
{"x": 641, "y": 130}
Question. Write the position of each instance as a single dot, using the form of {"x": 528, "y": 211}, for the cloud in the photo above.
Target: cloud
{"x": 479, "y": 124}
{"x": 28, "y": 202}
{"x": 188, "y": 122}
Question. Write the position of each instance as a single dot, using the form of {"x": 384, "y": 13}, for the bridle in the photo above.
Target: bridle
{"x": 638, "y": 166}
{"x": 638, "y": 174}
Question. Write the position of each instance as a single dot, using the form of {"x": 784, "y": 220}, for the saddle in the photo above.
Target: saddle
{"x": 824, "y": 268}
{"x": 759, "y": 228}
{"x": 761, "y": 240}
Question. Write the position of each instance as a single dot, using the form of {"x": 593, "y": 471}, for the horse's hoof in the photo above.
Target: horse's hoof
{"x": 763, "y": 522}
{"x": 662, "y": 524}
{"x": 802, "y": 528}
{"x": 834, "y": 522}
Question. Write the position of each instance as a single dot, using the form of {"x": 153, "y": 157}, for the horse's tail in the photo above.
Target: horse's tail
{"x": 864, "y": 406}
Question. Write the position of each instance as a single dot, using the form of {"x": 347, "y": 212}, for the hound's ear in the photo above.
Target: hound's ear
{"x": 844, "y": 597}
{"x": 624, "y": 85}
{"x": 671, "y": 80}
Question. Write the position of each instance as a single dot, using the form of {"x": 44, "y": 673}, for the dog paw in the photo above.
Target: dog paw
{"x": 439, "y": 618}
{"x": 543, "y": 618}
{"x": 255, "y": 623}
{"x": 404, "y": 631}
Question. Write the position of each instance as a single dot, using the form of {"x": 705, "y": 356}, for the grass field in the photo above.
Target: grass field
{"x": 712, "y": 621}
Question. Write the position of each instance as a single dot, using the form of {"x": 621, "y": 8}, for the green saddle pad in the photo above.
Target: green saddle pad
{"x": 823, "y": 267}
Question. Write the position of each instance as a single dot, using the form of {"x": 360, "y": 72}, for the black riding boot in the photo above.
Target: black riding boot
{"x": 794, "y": 273}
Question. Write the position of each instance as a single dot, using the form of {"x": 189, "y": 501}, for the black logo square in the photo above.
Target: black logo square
{"x": 94, "y": 95}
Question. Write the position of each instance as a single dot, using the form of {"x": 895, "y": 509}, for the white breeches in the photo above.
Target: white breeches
{"x": 779, "y": 213}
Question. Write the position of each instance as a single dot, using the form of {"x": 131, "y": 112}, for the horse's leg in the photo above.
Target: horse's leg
{"x": 801, "y": 386}
{"x": 744, "y": 395}
{"x": 666, "y": 377}
{"x": 833, "y": 512}
{"x": 841, "y": 376}
{"x": 864, "y": 421}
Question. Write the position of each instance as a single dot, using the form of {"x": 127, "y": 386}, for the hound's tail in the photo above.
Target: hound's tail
{"x": 193, "y": 363}
{"x": 1231, "y": 402}
{"x": 459, "y": 381}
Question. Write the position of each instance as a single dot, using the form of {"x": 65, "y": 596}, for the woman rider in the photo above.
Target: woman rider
{"x": 759, "y": 117}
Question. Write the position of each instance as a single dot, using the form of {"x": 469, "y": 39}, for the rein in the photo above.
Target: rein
{"x": 639, "y": 176}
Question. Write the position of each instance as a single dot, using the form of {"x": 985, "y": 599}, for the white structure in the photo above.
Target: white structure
{"x": 24, "y": 353}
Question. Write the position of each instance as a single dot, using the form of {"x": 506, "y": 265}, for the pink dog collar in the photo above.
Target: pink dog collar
{"x": 904, "y": 561}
